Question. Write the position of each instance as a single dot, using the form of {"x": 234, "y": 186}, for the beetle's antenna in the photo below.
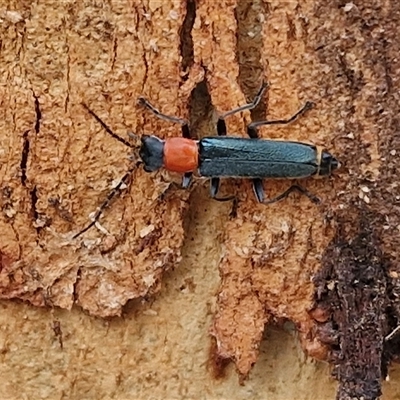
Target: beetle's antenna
{"x": 107, "y": 128}
{"x": 124, "y": 179}
{"x": 107, "y": 201}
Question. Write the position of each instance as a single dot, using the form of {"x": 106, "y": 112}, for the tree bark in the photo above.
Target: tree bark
{"x": 164, "y": 268}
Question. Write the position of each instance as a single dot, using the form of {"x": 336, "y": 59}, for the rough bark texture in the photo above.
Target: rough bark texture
{"x": 332, "y": 270}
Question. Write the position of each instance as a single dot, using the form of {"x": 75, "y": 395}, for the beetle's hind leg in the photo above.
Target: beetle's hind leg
{"x": 214, "y": 187}
{"x": 252, "y": 131}
{"x": 259, "y": 192}
{"x": 187, "y": 177}
{"x": 252, "y": 128}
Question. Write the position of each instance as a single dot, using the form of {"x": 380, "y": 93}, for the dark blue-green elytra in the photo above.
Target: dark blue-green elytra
{"x": 256, "y": 158}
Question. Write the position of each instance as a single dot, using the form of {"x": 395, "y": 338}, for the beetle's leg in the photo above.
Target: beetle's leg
{"x": 259, "y": 192}
{"x": 106, "y": 202}
{"x": 221, "y": 130}
{"x": 258, "y": 189}
{"x": 248, "y": 106}
{"x": 221, "y": 126}
{"x": 187, "y": 178}
{"x": 252, "y": 128}
{"x": 214, "y": 187}
{"x": 252, "y": 131}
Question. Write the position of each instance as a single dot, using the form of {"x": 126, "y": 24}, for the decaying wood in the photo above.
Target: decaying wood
{"x": 329, "y": 269}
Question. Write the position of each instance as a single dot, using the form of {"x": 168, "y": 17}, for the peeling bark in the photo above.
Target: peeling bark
{"x": 60, "y": 65}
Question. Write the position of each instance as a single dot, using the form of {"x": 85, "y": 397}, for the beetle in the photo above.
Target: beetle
{"x": 221, "y": 156}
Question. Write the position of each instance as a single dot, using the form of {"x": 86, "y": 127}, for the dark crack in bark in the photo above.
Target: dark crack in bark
{"x": 201, "y": 111}
{"x": 38, "y": 114}
{"x": 34, "y": 199}
{"x": 186, "y": 46}
{"x": 249, "y": 16}
{"x": 24, "y": 158}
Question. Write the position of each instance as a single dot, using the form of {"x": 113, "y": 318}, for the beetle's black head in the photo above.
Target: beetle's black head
{"x": 328, "y": 163}
{"x": 152, "y": 153}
